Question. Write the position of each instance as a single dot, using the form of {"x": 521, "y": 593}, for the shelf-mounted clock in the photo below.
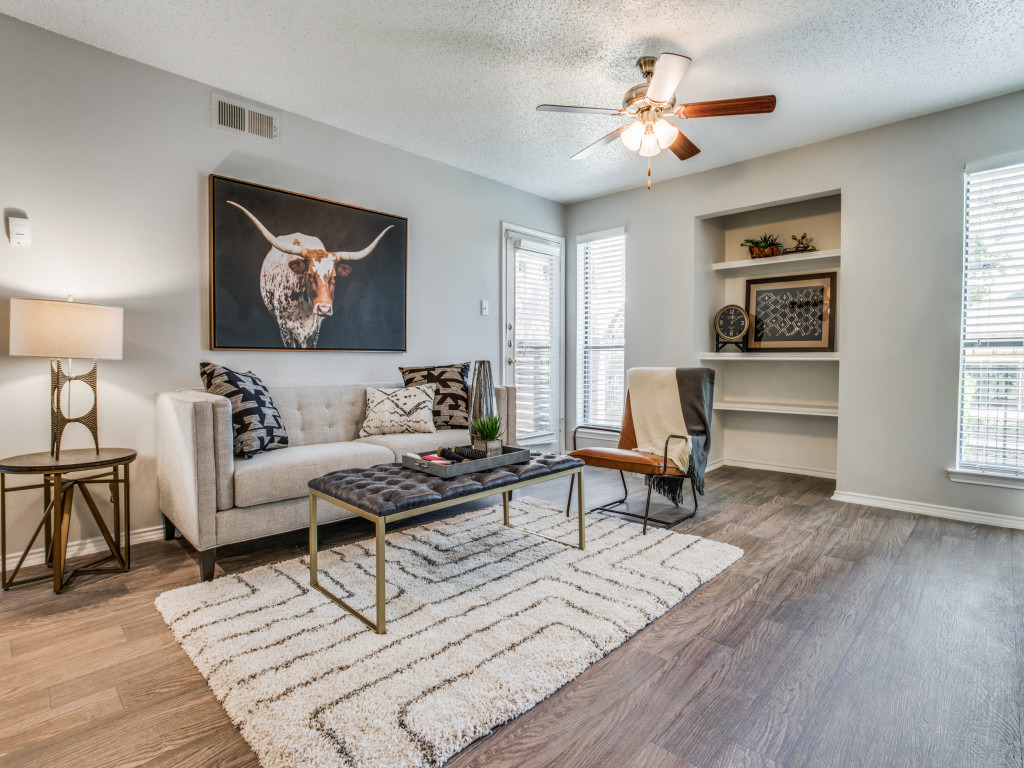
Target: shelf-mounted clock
{"x": 731, "y": 326}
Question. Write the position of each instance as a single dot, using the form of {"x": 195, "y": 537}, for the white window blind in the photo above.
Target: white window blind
{"x": 991, "y": 426}
{"x": 601, "y": 302}
{"x": 537, "y": 271}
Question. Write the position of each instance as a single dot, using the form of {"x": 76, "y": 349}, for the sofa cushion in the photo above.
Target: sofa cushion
{"x": 451, "y": 401}
{"x": 394, "y": 410}
{"x": 283, "y": 474}
{"x": 254, "y": 417}
{"x": 420, "y": 442}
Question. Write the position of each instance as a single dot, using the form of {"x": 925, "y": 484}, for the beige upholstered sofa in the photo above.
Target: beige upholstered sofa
{"x": 215, "y": 498}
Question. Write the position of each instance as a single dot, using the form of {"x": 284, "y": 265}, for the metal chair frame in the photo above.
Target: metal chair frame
{"x": 625, "y": 491}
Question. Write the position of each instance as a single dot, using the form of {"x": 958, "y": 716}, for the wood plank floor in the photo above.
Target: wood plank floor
{"x": 846, "y": 636}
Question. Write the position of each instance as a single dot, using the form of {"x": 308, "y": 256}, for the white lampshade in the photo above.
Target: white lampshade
{"x": 649, "y": 144}
{"x": 666, "y": 133}
{"x": 631, "y": 136}
{"x": 66, "y": 329}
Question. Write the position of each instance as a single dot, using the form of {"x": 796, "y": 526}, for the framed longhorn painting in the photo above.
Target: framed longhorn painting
{"x": 291, "y": 271}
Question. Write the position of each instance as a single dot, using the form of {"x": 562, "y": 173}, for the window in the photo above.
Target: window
{"x": 601, "y": 302}
{"x": 991, "y": 426}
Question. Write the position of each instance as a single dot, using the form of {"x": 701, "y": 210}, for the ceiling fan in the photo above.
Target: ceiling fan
{"x": 649, "y": 103}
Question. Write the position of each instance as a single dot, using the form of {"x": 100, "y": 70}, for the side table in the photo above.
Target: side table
{"x": 108, "y": 467}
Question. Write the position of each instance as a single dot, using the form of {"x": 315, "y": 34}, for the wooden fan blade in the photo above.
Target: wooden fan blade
{"x": 603, "y": 141}
{"x": 583, "y": 110}
{"x": 753, "y": 105}
{"x": 683, "y": 148}
{"x": 668, "y": 73}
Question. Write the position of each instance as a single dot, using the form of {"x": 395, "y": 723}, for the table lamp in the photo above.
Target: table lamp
{"x": 67, "y": 329}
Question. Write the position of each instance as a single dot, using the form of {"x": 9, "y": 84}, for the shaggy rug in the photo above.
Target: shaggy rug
{"x": 483, "y": 622}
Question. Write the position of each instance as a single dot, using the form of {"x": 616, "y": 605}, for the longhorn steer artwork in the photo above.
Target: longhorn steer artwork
{"x": 298, "y": 279}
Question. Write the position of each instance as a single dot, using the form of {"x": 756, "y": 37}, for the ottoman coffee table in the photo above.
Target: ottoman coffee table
{"x": 390, "y": 492}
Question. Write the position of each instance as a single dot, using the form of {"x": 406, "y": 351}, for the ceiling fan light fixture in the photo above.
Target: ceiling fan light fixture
{"x": 665, "y": 132}
{"x": 633, "y": 135}
{"x": 649, "y": 144}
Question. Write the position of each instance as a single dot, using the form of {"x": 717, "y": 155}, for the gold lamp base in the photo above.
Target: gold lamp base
{"x": 58, "y": 421}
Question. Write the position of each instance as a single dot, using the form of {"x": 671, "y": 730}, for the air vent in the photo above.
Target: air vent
{"x": 243, "y": 119}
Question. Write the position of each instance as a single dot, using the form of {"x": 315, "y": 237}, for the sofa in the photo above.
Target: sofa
{"x": 214, "y": 498}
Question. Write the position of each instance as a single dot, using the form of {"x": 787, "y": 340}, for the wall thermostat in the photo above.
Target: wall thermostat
{"x": 21, "y": 232}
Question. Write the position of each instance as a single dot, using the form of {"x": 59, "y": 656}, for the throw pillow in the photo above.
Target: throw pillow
{"x": 394, "y": 410}
{"x": 451, "y": 403}
{"x": 256, "y": 424}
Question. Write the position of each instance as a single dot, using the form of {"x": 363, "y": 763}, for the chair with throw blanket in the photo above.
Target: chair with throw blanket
{"x": 665, "y": 436}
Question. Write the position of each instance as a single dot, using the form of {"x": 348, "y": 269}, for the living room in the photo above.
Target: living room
{"x": 872, "y": 618}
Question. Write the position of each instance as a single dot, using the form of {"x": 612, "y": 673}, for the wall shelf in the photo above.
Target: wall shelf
{"x": 805, "y": 357}
{"x": 775, "y": 265}
{"x": 828, "y": 411}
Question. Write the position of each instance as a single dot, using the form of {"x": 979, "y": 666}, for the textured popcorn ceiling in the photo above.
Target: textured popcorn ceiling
{"x": 457, "y": 81}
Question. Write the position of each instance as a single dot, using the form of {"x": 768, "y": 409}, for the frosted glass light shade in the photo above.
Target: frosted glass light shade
{"x": 632, "y": 136}
{"x": 649, "y": 144}
{"x": 66, "y": 329}
{"x": 666, "y": 133}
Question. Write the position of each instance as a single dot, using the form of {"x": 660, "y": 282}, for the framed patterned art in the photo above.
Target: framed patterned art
{"x": 792, "y": 314}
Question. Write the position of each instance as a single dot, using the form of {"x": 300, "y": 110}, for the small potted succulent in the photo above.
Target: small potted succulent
{"x": 486, "y": 433}
{"x": 765, "y": 245}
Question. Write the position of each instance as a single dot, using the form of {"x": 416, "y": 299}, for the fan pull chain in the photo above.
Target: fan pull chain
{"x": 648, "y": 173}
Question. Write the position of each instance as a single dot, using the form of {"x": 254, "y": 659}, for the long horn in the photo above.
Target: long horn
{"x": 356, "y": 255}
{"x": 277, "y": 242}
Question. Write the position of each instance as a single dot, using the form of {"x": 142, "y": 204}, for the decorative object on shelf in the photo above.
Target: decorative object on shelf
{"x": 650, "y": 102}
{"x": 802, "y": 246}
{"x": 487, "y": 434}
{"x": 731, "y": 326}
{"x": 482, "y": 401}
{"x": 764, "y": 246}
{"x": 68, "y": 330}
{"x": 792, "y": 314}
{"x": 299, "y": 295}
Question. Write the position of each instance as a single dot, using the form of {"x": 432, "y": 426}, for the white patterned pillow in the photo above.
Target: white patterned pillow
{"x": 391, "y": 411}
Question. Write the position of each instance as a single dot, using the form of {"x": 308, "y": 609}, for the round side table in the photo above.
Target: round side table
{"x": 108, "y": 466}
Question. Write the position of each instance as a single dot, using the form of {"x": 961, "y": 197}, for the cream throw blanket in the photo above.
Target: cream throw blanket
{"x": 657, "y": 413}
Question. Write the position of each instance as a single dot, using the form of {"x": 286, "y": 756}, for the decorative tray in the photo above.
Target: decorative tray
{"x": 510, "y": 454}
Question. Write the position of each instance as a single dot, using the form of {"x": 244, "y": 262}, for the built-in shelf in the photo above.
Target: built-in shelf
{"x": 828, "y": 411}
{"x": 805, "y": 357}
{"x": 774, "y": 265}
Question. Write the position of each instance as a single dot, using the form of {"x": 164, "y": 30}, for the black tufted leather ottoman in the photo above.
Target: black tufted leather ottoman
{"x": 389, "y": 492}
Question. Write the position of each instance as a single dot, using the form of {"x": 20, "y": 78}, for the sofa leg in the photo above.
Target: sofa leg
{"x": 169, "y": 530}
{"x": 207, "y": 557}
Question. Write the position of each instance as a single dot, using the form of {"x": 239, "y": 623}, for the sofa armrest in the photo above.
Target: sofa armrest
{"x": 223, "y": 446}
{"x": 186, "y": 471}
{"x": 506, "y": 398}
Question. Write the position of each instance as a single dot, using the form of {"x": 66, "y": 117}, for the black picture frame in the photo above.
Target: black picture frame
{"x": 259, "y": 295}
{"x": 795, "y": 313}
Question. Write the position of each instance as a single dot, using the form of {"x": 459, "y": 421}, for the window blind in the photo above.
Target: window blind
{"x": 601, "y": 302}
{"x": 991, "y": 424}
{"x": 536, "y": 280}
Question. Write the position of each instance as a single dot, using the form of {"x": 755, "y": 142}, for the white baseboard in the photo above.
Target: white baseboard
{"x": 932, "y": 510}
{"x": 789, "y": 470}
{"x": 95, "y": 545}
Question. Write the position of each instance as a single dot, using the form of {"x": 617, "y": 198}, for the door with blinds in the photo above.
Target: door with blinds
{"x": 532, "y": 333}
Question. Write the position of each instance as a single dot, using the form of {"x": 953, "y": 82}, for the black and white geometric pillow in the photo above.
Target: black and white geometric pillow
{"x": 451, "y": 403}
{"x": 256, "y": 424}
{"x": 394, "y": 410}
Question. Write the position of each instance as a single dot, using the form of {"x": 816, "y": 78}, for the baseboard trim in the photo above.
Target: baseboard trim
{"x": 931, "y": 510}
{"x": 789, "y": 470}
{"x": 79, "y": 547}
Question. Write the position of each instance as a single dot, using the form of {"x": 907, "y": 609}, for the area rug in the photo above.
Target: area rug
{"x": 483, "y": 622}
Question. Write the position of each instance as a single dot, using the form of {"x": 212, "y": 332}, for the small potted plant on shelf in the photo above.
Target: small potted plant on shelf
{"x": 486, "y": 432}
{"x": 765, "y": 245}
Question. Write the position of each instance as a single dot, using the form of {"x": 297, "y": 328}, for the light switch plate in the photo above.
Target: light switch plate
{"x": 485, "y": 307}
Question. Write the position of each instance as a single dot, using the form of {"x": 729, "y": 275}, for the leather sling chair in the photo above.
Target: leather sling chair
{"x": 625, "y": 459}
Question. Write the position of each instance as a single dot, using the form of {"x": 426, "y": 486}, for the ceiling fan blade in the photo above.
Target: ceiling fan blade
{"x": 603, "y": 141}
{"x": 584, "y": 110}
{"x": 683, "y": 148}
{"x": 668, "y": 73}
{"x": 753, "y": 105}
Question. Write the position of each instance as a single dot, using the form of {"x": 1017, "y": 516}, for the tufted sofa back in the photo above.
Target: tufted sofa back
{"x": 322, "y": 414}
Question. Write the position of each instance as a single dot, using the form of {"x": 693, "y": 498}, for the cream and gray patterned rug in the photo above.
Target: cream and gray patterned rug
{"x": 484, "y": 622}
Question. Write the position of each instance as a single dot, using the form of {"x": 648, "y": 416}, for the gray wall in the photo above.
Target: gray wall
{"x": 110, "y": 160}
{"x": 902, "y": 235}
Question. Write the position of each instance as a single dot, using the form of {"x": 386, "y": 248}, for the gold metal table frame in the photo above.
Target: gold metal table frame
{"x": 381, "y": 521}
{"x": 107, "y": 467}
